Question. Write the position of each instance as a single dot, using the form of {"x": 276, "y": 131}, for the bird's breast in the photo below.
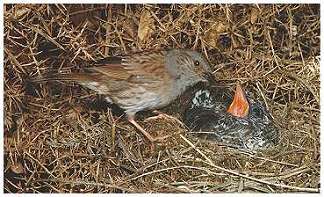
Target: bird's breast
{"x": 140, "y": 98}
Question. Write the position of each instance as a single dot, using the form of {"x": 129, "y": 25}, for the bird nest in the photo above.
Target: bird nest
{"x": 58, "y": 137}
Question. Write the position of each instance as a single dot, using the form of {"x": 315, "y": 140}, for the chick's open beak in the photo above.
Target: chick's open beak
{"x": 239, "y": 106}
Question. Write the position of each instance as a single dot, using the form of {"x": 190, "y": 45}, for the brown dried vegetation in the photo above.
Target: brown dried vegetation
{"x": 58, "y": 136}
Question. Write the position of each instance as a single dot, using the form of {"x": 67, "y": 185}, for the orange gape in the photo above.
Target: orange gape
{"x": 239, "y": 106}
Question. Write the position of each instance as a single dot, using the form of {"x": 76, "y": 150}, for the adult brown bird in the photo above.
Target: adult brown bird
{"x": 143, "y": 81}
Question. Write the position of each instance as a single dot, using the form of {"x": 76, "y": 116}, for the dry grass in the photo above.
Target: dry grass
{"x": 58, "y": 136}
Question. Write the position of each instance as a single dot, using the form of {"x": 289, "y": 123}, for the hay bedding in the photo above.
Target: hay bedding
{"x": 57, "y": 136}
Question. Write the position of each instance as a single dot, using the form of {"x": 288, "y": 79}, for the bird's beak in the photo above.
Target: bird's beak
{"x": 208, "y": 77}
{"x": 239, "y": 106}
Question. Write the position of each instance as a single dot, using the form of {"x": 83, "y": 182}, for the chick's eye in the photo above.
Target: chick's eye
{"x": 196, "y": 63}
{"x": 257, "y": 111}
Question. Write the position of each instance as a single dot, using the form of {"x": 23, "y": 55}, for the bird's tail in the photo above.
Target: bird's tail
{"x": 31, "y": 84}
{"x": 77, "y": 77}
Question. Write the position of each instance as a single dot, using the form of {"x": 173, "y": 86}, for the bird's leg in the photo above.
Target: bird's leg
{"x": 163, "y": 116}
{"x": 146, "y": 134}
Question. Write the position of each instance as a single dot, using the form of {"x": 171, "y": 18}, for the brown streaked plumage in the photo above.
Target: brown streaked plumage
{"x": 143, "y": 81}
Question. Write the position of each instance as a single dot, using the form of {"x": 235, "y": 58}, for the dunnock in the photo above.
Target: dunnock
{"x": 143, "y": 81}
{"x": 238, "y": 121}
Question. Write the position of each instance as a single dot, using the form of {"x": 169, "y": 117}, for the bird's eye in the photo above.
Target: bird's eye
{"x": 196, "y": 63}
{"x": 257, "y": 111}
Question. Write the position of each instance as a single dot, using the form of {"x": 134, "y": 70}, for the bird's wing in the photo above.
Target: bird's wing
{"x": 112, "y": 71}
{"x": 143, "y": 66}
